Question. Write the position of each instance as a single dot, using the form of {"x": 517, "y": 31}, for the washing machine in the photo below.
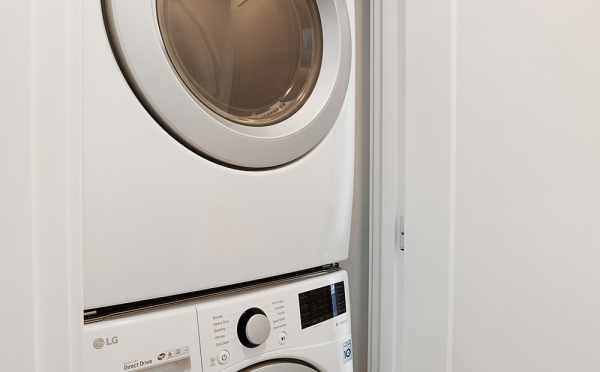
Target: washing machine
{"x": 217, "y": 143}
{"x": 301, "y": 326}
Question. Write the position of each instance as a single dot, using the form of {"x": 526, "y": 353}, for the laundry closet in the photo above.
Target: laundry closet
{"x": 354, "y": 186}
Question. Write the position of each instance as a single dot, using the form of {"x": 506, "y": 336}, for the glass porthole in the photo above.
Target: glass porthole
{"x": 253, "y": 62}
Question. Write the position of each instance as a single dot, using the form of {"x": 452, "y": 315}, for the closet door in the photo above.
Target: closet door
{"x": 501, "y": 147}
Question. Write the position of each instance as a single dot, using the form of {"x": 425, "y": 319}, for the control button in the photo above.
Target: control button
{"x": 253, "y": 328}
{"x": 282, "y": 338}
{"x": 223, "y": 357}
{"x": 258, "y": 329}
{"x": 347, "y": 350}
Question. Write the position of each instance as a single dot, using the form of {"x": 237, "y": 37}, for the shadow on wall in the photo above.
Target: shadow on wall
{"x": 358, "y": 264}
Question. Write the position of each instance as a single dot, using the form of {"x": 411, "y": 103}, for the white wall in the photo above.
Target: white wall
{"x": 358, "y": 264}
{"x": 503, "y": 180}
{"x": 40, "y": 271}
{"x": 16, "y": 272}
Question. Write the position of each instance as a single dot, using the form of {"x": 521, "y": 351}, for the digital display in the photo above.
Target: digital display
{"x": 321, "y": 304}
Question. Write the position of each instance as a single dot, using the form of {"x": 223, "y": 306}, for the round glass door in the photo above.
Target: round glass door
{"x": 253, "y": 62}
{"x": 280, "y": 366}
{"x": 249, "y": 84}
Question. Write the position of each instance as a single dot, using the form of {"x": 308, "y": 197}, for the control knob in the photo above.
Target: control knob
{"x": 253, "y": 328}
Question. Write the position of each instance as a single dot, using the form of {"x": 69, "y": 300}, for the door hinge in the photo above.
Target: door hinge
{"x": 400, "y": 233}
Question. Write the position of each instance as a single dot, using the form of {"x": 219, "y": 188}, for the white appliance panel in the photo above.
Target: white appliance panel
{"x": 203, "y": 336}
{"x": 160, "y": 220}
{"x": 154, "y": 342}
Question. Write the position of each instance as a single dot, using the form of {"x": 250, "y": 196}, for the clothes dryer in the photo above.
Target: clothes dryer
{"x": 218, "y": 143}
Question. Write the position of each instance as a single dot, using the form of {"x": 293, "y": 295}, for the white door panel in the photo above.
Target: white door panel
{"x": 502, "y": 180}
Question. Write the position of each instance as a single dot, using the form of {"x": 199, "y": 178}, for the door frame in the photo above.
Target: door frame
{"x": 413, "y": 131}
{"x": 49, "y": 274}
{"x": 387, "y": 188}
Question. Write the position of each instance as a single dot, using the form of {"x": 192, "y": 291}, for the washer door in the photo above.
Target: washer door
{"x": 248, "y": 83}
{"x": 280, "y": 366}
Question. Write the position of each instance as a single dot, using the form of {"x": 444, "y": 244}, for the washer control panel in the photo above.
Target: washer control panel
{"x": 233, "y": 331}
{"x": 243, "y": 327}
{"x": 307, "y": 320}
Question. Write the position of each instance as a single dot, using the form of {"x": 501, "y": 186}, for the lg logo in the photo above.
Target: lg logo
{"x": 100, "y": 343}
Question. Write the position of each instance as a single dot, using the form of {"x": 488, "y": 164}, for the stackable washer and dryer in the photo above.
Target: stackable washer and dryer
{"x": 301, "y": 326}
{"x": 217, "y": 143}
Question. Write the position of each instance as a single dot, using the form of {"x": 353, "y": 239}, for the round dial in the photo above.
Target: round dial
{"x": 253, "y": 328}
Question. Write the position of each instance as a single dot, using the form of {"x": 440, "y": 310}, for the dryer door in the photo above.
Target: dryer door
{"x": 280, "y": 366}
{"x": 248, "y": 83}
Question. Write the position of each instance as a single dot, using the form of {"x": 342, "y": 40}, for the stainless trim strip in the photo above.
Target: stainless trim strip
{"x": 91, "y": 316}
